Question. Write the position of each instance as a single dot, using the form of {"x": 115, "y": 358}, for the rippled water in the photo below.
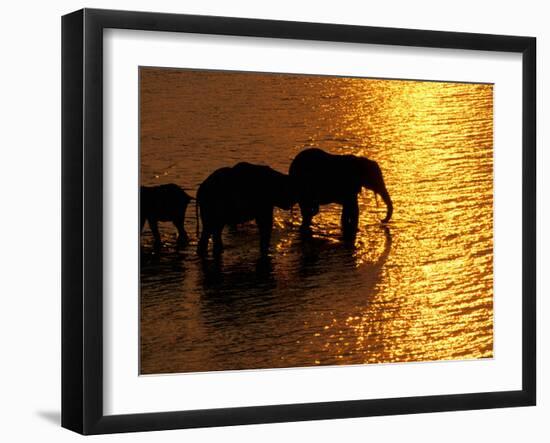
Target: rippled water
{"x": 419, "y": 289}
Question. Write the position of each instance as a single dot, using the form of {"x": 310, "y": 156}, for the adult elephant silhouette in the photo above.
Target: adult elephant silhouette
{"x": 320, "y": 178}
{"x": 230, "y": 196}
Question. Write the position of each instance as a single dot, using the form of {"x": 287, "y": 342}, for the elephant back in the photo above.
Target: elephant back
{"x": 324, "y": 177}
{"x": 239, "y": 193}
{"x": 164, "y": 202}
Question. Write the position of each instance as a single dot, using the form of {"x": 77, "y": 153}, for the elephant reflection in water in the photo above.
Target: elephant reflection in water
{"x": 320, "y": 178}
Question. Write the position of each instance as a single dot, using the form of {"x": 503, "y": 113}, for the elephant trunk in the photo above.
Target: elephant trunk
{"x": 389, "y": 205}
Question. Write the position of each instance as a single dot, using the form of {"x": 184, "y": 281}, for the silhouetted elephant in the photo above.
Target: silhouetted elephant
{"x": 230, "y": 196}
{"x": 321, "y": 178}
{"x": 164, "y": 203}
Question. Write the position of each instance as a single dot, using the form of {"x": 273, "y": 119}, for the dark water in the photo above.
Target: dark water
{"x": 419, "y": 289}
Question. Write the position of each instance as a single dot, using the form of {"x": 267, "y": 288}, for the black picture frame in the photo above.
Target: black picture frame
{"x": 82, "y": 221}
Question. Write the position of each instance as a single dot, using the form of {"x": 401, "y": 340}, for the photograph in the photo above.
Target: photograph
{"x": 303, "y": 217}
{"x": 292, "y": 220}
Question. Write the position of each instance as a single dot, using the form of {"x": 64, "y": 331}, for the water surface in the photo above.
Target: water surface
{"x": 419, "y": 289}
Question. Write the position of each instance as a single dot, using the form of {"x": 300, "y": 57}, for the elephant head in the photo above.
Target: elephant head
{"x": 371, "y": 178}
{"x": 283, "y": 191}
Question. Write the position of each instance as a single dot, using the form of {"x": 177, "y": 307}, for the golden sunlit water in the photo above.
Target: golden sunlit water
{"x": 419, "y": 289}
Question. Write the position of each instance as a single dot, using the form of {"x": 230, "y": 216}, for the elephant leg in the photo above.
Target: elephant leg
{"x": 314, "y": 209}
{"x": 217, "y": 240}
{"x": 307, "y": 215}
{"x": 350, "y": 218}
{"x": 343, "y": 218}
{"x": 265, "y": 226}
{"x": 183, "y": 238}
{"x": 153, "y": 224}
{"x": 202, "y": 247}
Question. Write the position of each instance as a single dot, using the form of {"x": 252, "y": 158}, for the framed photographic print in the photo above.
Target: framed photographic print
{"x": 269, "y": 221}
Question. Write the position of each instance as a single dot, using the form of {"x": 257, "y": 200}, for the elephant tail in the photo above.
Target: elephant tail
{"x": 197, "y": 217}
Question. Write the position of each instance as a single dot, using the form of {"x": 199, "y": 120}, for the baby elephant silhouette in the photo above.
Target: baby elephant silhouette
{"x": 164, "y": 203}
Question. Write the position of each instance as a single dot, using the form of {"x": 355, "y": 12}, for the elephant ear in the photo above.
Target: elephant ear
{"x": 354, "y": 172}
{"x": 281, "y": 190}
{"x": 370, "y": 174}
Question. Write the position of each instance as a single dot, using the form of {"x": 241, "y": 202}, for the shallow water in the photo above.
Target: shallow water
{"x": 419, "y": 289}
